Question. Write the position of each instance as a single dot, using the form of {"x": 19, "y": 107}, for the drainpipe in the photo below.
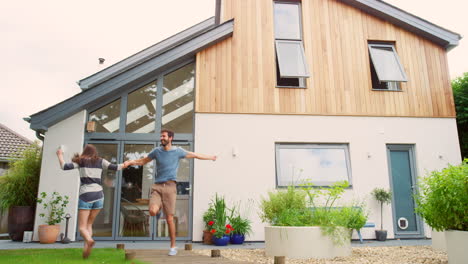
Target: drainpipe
{"x": 217, "y": 12}
{"x": 39, "y": 136}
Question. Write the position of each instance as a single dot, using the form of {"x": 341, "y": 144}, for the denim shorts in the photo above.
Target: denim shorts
{"x": 82, "y": 205}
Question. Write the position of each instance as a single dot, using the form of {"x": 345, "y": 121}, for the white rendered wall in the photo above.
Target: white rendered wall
{"x": 70, "y": 134}
{"x": 251, "y": 173}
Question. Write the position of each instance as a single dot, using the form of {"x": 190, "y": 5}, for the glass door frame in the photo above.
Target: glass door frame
{"x": 118, "y": 175}
{"x": 117, "y": 195}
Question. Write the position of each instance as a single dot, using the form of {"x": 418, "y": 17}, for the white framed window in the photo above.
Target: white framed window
{"x": 386, "y": 70}
{"x": 319, "y": 164}
{"x": 291, "y": 63}
{"x": 291, "y": 59}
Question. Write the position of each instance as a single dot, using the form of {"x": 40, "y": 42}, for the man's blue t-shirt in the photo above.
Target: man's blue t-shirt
{"x": 167, "y": 162}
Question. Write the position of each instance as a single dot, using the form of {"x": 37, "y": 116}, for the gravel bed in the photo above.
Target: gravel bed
{"x": 362, "y": 255}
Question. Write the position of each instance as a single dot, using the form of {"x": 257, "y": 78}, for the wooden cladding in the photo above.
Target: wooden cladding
{"x": 238, "y": 75}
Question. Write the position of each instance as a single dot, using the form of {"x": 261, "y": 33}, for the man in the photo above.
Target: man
{"x": 163, "y": 192}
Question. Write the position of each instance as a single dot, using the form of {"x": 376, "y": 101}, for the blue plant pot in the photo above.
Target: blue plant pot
{"x": 237, "y": 239}
{"x": 222, "y": 241}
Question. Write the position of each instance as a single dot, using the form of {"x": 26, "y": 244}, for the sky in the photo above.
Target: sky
{"x": 47, "y": 46}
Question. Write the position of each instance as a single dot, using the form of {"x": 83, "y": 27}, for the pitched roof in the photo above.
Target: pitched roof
{"x": 149, "y": 62}
{"x": 11, "y": 143}
{"x": 408, "y": 21}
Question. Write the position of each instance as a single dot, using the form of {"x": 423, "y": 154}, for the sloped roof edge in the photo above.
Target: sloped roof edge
{"x": 40, "y": 121}
{"x": 410, "y": 22}
{"x": 146, "y": 54}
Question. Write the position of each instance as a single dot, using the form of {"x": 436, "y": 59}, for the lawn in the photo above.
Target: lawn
{"x": 69, "y": 255}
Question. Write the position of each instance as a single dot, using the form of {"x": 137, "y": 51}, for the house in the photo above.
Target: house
{"x": 11, "y": 145}
{"x": 281, "y": 91}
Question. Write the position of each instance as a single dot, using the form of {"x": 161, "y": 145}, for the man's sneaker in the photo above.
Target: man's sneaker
{"x": 172, "y": 251}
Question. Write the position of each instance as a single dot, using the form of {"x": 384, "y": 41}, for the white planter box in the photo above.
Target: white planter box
{"x": 302, "y": 243}
{"x": 457, "y": 246}
{"x": 438, "y": 240}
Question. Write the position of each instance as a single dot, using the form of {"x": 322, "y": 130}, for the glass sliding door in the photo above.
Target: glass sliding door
{"x": 103, "y": 225}
{"x": 135, "y": 187}
{"x": 183, "y": 215}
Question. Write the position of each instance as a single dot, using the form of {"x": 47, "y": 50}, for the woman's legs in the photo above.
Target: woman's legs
{"x": 83, "y": 216}
{"x": 91, "y": 218}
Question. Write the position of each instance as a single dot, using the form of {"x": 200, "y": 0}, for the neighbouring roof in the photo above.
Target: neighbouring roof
{"x": 410, "y": 22}
{"x": 151, "y": 61}
{"x": 11, "y": 143}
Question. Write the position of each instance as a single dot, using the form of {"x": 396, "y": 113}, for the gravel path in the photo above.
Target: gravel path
{"x": 362, "y": 255}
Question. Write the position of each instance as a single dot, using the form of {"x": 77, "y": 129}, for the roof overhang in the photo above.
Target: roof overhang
{"x": 132, "y": 70}
{"x": 405, "y": 20}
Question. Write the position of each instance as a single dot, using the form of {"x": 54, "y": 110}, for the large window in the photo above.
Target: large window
{"x": 107, "y": 118}
{"x": 319, "y": 164}
{"x": 291, "y": 63}
{"x": 166, "y": 101}
{"x": 386, "y": 70}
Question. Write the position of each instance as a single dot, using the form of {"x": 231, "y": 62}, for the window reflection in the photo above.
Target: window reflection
{"x": 107, "y": 118}
{"x": 141, "y": 110}
{"x": 178, "y": 100}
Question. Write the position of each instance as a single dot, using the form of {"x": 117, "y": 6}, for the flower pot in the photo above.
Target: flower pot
{"x": 48, "y": 233}
{"x": 20, "y": 219}
{"x": 381, "y": 235}
{"x": 222, "y": 241}
{"x": 207, "y": 237}
{"x": 237, "y": 239}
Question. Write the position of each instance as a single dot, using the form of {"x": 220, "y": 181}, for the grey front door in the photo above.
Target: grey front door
{"x": 406, "y": 223}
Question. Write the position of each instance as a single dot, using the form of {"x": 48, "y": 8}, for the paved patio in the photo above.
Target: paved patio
{"x": 8, "y": 244}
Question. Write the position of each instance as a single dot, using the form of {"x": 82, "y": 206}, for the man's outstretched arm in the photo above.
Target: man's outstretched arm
{"x": 193, "y": 155}
{"x": 138, "y": 162}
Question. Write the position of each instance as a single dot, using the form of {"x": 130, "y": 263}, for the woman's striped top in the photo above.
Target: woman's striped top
{"x": 90, "y": 177}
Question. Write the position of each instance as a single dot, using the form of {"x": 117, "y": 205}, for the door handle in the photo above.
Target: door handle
{"x": 188, "y": 188}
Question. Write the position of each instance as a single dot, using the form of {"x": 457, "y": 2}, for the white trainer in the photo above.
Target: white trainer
{"x": 172, "y": 251}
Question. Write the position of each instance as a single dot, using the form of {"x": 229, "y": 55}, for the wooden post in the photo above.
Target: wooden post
{"x": 215, "y": 253}
{"x": 130, "y": 255}
{"x": 120, "y": 246}
{"x": 280, "y": 260}
{"x": 188, "y": 246}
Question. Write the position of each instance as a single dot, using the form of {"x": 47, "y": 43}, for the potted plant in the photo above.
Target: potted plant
{"x": 208, "y": 219}
{"x": 383, "y": 196}
{"x": 220, "y": 228}
{"x": 305, "y": 222}
{"x": 443, "y": 203}
{"x": 18, "y": 191}
{"x": 55, "y": 208}
{"x": 240, "y": 226}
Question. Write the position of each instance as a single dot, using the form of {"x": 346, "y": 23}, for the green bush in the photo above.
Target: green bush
{"x": 19, "y": 185}
{"x": 311, "y": 206}
{"x": 460, "y": 96}
{"x": 55, "y": 207}
{"x": 443, "y": 198}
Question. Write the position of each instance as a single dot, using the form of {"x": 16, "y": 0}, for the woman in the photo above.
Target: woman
{"x": 91, "y": 199}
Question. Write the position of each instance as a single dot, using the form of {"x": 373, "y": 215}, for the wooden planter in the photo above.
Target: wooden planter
{"x": 48, "y": 233}
{"x": 20, "y": 219}
{"x": 303, "y": 242}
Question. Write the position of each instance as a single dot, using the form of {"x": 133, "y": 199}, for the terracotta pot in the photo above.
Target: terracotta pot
{"x": 48, "y": 233}
{"x": 207, "y": 237}
{"x": 20, "y": 219}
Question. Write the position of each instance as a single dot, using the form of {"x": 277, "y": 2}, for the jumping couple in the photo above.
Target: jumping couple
{"x": 163, "y": 191}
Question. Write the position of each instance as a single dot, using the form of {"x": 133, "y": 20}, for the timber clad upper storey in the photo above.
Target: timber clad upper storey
{"x": 342, "y": 45}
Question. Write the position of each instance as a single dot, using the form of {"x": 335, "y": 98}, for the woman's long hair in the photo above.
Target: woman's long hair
{"x": 89, "y": 154}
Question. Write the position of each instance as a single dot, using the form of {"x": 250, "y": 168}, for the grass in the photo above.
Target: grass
{"x": 69, "y": 255}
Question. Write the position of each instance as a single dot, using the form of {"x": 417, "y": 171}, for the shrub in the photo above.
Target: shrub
{"x": 55, "y": 207}
{"x": 19, "y": 185}
{"x": 443, "y": 198}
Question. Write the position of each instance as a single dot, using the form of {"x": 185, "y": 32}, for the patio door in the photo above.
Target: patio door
{"x": 125, "y": 215}
{"x": 406, "y": 223}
